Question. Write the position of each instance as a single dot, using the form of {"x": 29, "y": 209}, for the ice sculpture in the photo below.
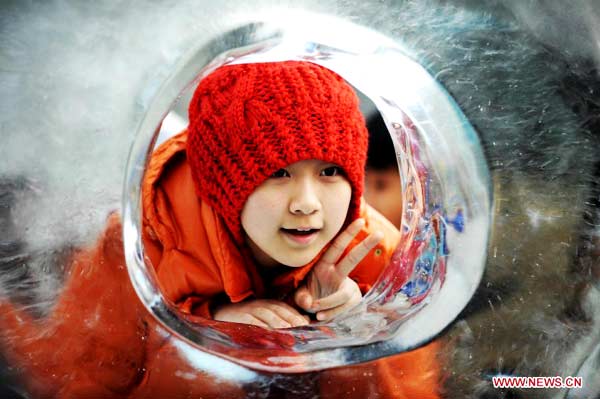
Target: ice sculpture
{"x": 74, "y": 97}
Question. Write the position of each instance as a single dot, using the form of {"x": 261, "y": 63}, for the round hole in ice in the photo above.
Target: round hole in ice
{"x": 446, "y": 200}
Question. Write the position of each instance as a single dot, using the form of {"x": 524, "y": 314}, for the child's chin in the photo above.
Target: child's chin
{"x": 296, "y": 265}
{"x": 299, "y": 261}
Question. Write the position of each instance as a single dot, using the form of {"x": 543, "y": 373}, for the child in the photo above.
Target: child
{"x": 383, "y": 189}
{"x": 252, "y": 215}
{"x": 272, "y": 149}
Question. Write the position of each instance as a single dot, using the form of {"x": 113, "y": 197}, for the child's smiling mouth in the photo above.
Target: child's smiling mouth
{"x": 301, "y": 235}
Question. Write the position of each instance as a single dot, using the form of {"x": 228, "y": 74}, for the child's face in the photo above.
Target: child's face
{"x": 383, "y": 191}
{"x": 309, "y": 194}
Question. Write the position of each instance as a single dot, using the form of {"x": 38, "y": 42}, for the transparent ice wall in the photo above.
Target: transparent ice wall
{"x": 76, "y": 79}
{"x": 430, "y": 277}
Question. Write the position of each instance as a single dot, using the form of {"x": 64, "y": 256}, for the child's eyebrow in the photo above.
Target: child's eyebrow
{"x": 328, "y": 164}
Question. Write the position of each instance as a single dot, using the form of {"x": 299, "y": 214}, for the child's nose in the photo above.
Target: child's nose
{"x": 305, "y": 199}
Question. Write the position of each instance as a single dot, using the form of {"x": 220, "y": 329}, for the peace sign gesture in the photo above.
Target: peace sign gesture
{"x": 329, "y": 291}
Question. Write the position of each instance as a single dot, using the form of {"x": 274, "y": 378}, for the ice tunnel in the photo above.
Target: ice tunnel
{"x": 493, "y": 115}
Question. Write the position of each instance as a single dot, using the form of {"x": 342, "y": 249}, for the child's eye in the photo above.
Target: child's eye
{"x": 280, "y": 173}
{"x": 332, "y": 171}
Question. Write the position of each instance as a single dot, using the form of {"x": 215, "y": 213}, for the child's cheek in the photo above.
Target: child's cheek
{"x": 275, "y": 201}
{"x": 265, "y": 208}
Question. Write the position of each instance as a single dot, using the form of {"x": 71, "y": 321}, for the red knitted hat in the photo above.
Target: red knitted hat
{"x": 249, "y": 120}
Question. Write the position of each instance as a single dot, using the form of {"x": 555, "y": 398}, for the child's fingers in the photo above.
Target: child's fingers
{"x": 336, "y": 299}
{"x": 289, "y": 314}
{"x": 249, "y": 319}
{"x": 271, "y": 318}
{"x": 357, "y": 254}
{"x": 303, "y": 298}
{"x": 330, "y": 313}
{"x": 338, "y": 246}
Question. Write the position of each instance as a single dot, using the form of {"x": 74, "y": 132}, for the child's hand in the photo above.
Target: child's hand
{"x": 261, "y": 312}
{"x": 329, "y": 291}
{"x": 347, "y": 295}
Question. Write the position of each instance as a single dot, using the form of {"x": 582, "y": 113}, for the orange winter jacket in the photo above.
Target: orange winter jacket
{"x": 99, "y": 340}
{"x": 192, "y": 251}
